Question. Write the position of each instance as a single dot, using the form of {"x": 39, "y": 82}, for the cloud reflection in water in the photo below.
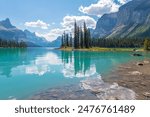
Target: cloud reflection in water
{"x": 39, "y": 66}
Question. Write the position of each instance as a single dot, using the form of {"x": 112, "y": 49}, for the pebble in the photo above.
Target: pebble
{"x": 140, "y": 64}
{"x": 146, "y": 62}
{"x": 146, "y": 94}
{"x": 135, "y": 73}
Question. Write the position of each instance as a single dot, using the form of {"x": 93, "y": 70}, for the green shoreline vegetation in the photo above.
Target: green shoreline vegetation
{"x": 100, "y": 49}
{"x": 12, "y": 44}
{"x": 83, "y": 41}
{"x": 147, "y": 44}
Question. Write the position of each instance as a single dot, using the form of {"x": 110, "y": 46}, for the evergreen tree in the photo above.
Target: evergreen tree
{"x": 12, "y": 44}
{"x": 116, "y": 42}
{"x": 62, "y": 41}
{"x": 22, "y": 44}
{"x": 71, "y": 41}
{"x": 89, "y": 39}
{"x": 78, "y": 37}
{"x": 82, "y": 38}
{"x": 146, "y": 44}
{"x": 67, "y": 40}
{"x": 75, "y": 35}
{"x": 64, "y": 37}
{"x": 85, "y": 34}
{"x": 86, "y": 38}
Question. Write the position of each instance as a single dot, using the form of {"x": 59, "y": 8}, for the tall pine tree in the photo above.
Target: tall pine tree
{"x": 82, "y": 37}
{"x": 75, "y": 35}
{"x": 62, "y": 41}
{"x": 78, "y": 37}
{"x": 71, "y": 41}
{"x": 67, "y": 40}
{"x": 86, "y": 39}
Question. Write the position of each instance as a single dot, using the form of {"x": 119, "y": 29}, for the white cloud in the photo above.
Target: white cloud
{"x": 68, "y": 21}
{"x": 102, "y": 7}
{"x": 123, "y": 1}
{"x": 37, "y": 24}
{"x": 67, "y": 26}
{"x": 52, "y": 34}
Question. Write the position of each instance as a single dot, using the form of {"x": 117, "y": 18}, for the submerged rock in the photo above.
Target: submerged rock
{"x": 89, "y": 89}
{"x": 106, "y": 91}
{"x": 140, "y": 64}
{"x": 136, "y": 54}
{"x": 65, "y": 93}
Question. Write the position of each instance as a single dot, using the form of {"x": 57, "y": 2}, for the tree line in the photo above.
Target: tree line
{"x": 147, "y": 44}
{"x": 118, "y": 43}
{"x": 12, "y": 44}
{"x": 82, "y": 37}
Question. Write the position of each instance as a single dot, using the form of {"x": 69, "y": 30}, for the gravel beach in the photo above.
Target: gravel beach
{"x": 135, "y": 76}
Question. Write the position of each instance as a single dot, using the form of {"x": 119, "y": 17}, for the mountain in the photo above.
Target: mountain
{"x": 56, "y": 43}
{"x": 39, "y": 41}
{"x": 105, "y": 25}
{"x": 10, "y": 32}
{"x": 131, "y": 21}
{"x": 6, "y": 24}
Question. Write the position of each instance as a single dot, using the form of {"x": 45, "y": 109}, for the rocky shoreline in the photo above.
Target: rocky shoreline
{"x": 89, "y": 89}
{"x": 129, "y": 81}
{"x": 134, "y": 76}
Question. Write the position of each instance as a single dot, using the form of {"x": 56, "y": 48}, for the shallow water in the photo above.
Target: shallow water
{"x": 24, "y": 72}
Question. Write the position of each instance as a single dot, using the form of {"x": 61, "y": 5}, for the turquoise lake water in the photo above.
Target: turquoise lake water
{"x": 23, "y": 72}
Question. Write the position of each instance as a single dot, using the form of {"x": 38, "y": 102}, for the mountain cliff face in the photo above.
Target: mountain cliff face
{"x": 105, "y": 25}
{"x": 10, "y": 32}
{"x": 6, "y": 24}
{"x": 132, "y": 20}
{"x": 56, "y": 43}
{"x": 39, "y": 41}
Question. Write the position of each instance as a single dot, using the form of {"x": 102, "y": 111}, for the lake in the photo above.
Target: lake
{"x": 23, "y": 72}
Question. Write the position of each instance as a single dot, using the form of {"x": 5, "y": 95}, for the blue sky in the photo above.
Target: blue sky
{"x": 49, "y": 18}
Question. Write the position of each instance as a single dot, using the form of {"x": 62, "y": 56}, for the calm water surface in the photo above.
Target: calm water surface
{"x": 24, "y": 72}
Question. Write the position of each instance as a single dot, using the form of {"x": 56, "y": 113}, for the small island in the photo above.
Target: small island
{"x": 83, "y": 41}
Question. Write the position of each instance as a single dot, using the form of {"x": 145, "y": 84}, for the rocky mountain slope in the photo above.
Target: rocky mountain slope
{"x": 131, "y": 21}
{"x": 105, "y": 25}
{"x": 39, "y": 41}
{"x": 10, "y": 32}
{"x": 56, "y": 43}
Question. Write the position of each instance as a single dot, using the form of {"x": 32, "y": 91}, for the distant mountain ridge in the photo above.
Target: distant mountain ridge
{"x": 131, "y": 21}
{"x": 56, "y": 43}
{"x": 40, "y": 41}
{"x": 6, "y": 24}
{"x": 10, "y": 32}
